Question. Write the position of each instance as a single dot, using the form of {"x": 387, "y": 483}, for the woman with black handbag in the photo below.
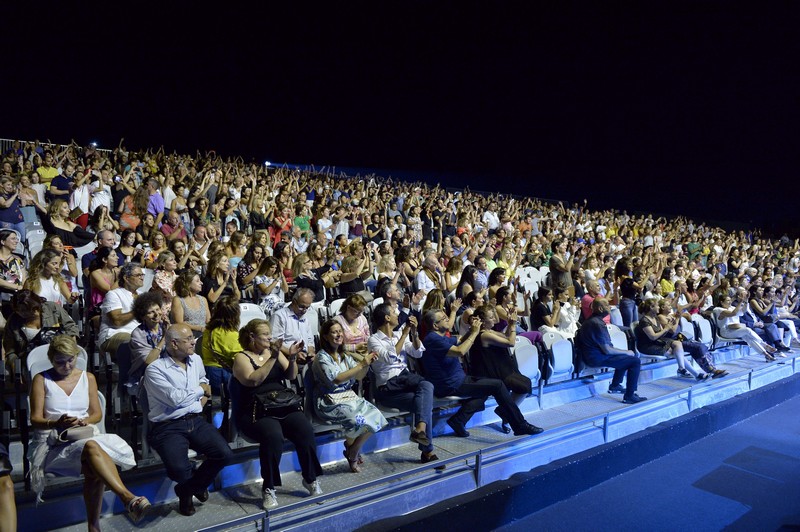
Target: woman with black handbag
{"x": 266, "y": 411}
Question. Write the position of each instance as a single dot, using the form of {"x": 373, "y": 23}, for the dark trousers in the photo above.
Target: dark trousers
{"x": 269, "y": 432}
{"x": 409, "y": 391}
{"x": 173, "y": 439}
{"x": 622, "y": 364}
{"x": 699, "y": 352}
{"x": 478, "y": 389}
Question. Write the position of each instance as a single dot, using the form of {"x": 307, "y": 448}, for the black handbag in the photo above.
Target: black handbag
{"x": 275, "y": 403}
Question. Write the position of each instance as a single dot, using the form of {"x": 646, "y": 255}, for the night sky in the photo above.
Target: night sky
{"x": 671, "y": 107}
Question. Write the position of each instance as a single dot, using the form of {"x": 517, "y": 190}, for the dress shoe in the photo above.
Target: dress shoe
{"x": 431, "y": 457}
{"x": 526, "y": 429}
{"x": 633, "y": 399}
{"x": 617, "y": 388}
{"x": 185, "y": 504}
{"x": 420, "y": 438}
{"x": 458, "y": 428}
{"x": 201, "y": 496}
{"x": 504, "y": 428}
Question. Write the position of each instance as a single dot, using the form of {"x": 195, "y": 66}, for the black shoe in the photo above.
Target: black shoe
{"x": 633, "y": 399}
{"x": 185, "y": 504}
{"x": 526, "y": 429}
{"x": 458, "y": 428}
{"x": 431, "y": 458}
{"x": 504, "y": 428}
{"x": 420, "y": 438}
{"x": 702, "y": 376}
{"x": 781, "y": 347}
{"x": 201, "y": 496}
{"x": 617, "y": 388}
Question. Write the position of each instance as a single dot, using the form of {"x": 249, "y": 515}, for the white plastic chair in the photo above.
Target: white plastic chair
{"x": 375, "y": 302}
{"x": 550, "y": 338}
{"x": 561, "y": 366}
{"x": 250, "y": 312}
{"x": 616, "y": 317}
{"x": 706, "y": 333}
{"x": 335, "y": 307}
{"x": 37, "y": 361}
{"x": 36, "y": 235}
{"x": 687, "y": 329}
{"x": 528, "y": 361}
{"x": 149, "y": 275}
{"x": 83, "y": 250}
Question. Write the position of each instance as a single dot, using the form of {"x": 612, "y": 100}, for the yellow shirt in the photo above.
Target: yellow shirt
{"x": 224, "y": 343}
{"x": 46, "y": 174}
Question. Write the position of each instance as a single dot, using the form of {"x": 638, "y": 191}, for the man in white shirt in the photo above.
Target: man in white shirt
{"x": 177, "y": 390}
{"x": 117, "y": 321}
{"x": 290, "y": 324}
{"x": 397, "y": 386}
{"x": 429, "y": 276}
{"x": 490, "y": 218}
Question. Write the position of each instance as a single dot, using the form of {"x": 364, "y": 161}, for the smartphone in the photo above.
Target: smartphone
{"x": 118, "y": 179}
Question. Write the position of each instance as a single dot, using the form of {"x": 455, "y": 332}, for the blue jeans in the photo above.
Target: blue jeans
{"x": 18, "y": 227}
{"x": 173, "y": 439}
{"x": 409, "y": 391}
{"x": 627, "y": 307}
{"x": 622, "y": 364}
{"x": 217, "y": 377}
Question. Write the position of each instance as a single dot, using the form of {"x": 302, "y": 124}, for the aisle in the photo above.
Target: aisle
{"x": 745, "y": 477}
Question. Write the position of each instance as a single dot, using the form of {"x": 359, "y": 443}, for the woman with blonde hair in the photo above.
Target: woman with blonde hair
{"x": 158, "y": 245}
{"x": 57, "y": 221}
{"x": 65, "y": 410}
{"x": 45, "y": 280}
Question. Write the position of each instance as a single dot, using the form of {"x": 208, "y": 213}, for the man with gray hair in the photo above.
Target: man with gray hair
{"x": 177, "y": 390}
{"x": 117, "y": 321}
{"x": 294, "y": 323}
{"x": 430, "y": 276}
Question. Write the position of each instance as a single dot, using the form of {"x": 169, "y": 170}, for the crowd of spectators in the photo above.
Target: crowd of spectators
{"x": 210, "y": 232}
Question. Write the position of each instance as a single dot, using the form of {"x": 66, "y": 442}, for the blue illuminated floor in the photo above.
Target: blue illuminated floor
{"x": 745, "y": 477}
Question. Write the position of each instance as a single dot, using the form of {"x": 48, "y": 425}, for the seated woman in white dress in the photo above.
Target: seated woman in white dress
{"x": 335, "y": 372}
{"x": 728, "y": 321}
{"x": 567, "y": 323}
{"x": 65, "y": 408}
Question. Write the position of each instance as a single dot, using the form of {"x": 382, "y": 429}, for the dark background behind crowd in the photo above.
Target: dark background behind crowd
{"x": 678, "y": 108}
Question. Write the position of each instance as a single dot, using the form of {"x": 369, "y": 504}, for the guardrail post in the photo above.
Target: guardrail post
{"x": 478, "y": 464}
{"x": 605, "y": 428}
{"x": 689, "y": 399}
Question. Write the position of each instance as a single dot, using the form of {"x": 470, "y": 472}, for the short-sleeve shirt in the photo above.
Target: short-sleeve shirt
{"x": 444, "y": 372}
{"x": 117, "y": 299}
{"x": 592, "y": 335}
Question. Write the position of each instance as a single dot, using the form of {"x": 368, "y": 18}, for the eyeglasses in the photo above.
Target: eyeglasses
{"x": 137, "y": 275}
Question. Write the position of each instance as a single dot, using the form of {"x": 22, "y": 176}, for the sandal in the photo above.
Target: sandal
{"x": 359, "y": 458}
{"x": 137, "y": 508}
{"x": 354, "y": 467}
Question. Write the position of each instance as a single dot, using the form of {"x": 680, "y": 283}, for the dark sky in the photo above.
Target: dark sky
{"x": 675, "y": 107}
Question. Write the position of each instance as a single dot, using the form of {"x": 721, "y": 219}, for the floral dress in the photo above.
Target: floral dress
{"x": 333, "y": 403}
{"x": 272, "y": 302}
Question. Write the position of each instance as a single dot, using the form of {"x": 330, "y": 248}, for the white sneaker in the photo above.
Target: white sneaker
{"x": 314, "y": 488}
{"x": 270, "y": 499}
